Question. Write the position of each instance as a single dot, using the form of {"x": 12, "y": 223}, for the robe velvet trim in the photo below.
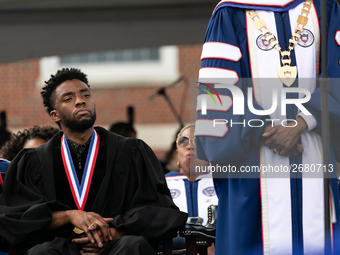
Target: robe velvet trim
{"x": 275, "y": 6}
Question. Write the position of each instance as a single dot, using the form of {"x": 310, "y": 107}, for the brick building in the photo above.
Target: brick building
{"x": 114, "y": 87}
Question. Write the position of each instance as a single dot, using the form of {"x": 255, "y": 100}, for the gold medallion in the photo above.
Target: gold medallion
{"x": 78, "y": 231}
{"x": 287, "y": 74}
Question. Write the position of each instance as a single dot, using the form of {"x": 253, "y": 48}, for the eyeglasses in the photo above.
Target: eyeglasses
{"x": 183, "y": 141}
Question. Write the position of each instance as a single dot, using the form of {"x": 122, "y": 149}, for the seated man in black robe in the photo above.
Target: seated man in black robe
{"x": 87, "y": 190}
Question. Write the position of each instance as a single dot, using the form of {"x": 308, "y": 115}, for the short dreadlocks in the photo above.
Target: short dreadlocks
{"x": 62, "y": 75}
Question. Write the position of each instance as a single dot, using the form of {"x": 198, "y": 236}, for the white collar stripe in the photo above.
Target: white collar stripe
{"x": 221, "y": 50}
{"x": 337, "y": 37}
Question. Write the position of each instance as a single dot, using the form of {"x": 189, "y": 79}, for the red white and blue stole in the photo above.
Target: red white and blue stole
{"x": 81, "y": 192}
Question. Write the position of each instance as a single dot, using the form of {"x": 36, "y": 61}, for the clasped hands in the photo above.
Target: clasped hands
{"x": 97, "y": 233}
{"x": 284, "y": 140}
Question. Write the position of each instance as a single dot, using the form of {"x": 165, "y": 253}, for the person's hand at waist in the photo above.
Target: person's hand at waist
{"x": 93, "y": 249}
{"x": 284, "y": 139}
{"x": 95, "y": 227}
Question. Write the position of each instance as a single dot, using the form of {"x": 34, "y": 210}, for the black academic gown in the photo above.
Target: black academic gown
{"x": 132, "y": 191}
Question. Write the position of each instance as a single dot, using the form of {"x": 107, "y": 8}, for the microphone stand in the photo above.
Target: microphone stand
{"x": 162, "y": 92}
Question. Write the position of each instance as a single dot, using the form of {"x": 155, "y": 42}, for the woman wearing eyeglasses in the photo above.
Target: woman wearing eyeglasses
{"x": 191, "y": 191}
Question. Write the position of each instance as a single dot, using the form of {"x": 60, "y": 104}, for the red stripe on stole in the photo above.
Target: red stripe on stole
{"x": 331, "y": 207}
{"x": 319, "y": 62}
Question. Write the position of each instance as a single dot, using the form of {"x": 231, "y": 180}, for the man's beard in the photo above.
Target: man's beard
{"x": 82, "y": 125}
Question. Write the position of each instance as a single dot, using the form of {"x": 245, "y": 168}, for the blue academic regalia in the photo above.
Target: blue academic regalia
{"x": 267, "y": 215}
{"x": 192, "y": 197}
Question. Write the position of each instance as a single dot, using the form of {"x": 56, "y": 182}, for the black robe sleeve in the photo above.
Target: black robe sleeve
{"x": 24, "y": 209}
{"x": 147, "y": 208}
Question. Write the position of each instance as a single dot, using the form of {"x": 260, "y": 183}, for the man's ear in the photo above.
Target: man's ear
{"x": 55, "y": 116}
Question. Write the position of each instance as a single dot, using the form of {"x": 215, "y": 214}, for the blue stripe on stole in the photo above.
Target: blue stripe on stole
{"x": 291, "y": 110}
{"x": 87, "y": 163}
{"x": 284, "y": 34}
{"x": 296, "y": 198}
{"x": 192, "y": 201}
{"x": 189, "y": 197}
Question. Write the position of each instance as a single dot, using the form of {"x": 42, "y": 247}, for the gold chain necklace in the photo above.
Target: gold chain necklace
{"x": 287, "y": 73}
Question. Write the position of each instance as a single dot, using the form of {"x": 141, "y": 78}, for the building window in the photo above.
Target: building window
{"x": 124, "y": 68}
{"x": 138, "y": 55}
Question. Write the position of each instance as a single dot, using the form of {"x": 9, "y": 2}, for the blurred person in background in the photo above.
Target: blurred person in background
{"x": 28, "y": 138}
{"x": 192, "y": 188}
{"x": 170, "y": 161}
{"x": 267, "y": 46}
{"x": 5, "y": 135}
{"x": 123, "y": 129}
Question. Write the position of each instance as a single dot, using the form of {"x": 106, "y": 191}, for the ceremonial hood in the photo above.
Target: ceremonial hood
{"x": 268, "y": 5}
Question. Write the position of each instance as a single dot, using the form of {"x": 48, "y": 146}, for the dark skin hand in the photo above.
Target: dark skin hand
{"x": 285, "y": 139}
{"x": 94, "y": 249}
{"x": 86, "y": 221}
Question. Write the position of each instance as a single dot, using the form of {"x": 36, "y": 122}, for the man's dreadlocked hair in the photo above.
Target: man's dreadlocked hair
{"x": 62, "y": 75}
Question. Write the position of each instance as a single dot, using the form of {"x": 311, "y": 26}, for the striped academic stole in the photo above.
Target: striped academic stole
{"x": 81, "y": 192}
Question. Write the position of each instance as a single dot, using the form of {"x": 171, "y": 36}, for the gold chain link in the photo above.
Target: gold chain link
{"x": 302, "y": 20}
